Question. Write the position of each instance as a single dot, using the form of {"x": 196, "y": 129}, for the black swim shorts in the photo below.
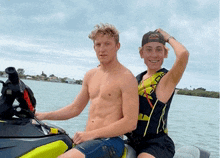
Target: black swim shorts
{"x": 159, "y": 147}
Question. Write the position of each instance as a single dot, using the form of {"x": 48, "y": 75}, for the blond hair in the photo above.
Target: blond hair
{"x": 105, "y": 29}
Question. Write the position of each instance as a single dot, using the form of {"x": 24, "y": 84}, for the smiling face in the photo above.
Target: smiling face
{"x": 153, "y": 54}
{"x": 106, "y": 48}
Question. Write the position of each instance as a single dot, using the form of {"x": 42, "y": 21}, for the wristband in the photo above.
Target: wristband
{"x": 169, "y": 38}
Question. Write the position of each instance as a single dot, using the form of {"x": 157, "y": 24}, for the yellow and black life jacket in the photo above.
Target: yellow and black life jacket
{"x": 153, "y": 113}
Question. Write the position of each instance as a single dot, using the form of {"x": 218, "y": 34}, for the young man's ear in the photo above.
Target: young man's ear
{"x": 118, "y": 46}
{"x": 141, "y": 51}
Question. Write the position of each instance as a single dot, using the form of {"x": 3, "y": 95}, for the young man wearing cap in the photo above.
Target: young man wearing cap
{"x": 113, "y": 94}
{"x": 156, "y": 88}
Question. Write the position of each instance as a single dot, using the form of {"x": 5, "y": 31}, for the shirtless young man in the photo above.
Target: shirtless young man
{"x": 113, "y": 94}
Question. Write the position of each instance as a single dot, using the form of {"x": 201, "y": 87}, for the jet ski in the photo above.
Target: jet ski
{"x": 23, "y": 135}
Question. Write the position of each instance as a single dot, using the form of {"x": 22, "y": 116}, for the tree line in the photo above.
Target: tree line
{"x": 201, "y": 92}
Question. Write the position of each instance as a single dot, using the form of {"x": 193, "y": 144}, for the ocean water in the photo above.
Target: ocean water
{"x": 192, "y": 120}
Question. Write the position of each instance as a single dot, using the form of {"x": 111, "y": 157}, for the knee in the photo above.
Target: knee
{"x": 72, "y": 153}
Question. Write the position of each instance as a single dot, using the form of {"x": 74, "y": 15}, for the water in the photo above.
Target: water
{"x": 192, "y": 120}
{"x": 195, "y": 121}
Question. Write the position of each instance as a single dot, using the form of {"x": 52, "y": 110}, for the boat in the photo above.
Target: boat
{"x": 23, "y": 135}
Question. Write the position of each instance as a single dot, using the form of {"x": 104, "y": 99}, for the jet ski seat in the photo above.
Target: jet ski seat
{"x": 191, "y": 152}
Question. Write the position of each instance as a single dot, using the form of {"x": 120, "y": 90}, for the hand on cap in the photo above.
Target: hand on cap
{"x": 165, "y": 34}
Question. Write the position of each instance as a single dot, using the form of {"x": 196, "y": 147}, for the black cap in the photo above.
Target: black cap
{"x": 153, "y": 37}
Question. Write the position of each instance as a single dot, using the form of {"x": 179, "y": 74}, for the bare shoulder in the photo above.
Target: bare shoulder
{"x": 125, "y": 72}
{"x": 89, "y": 74}
{"x": 127, "y": 78}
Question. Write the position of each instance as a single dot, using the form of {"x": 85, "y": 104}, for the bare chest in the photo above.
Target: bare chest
{"x": 104, "y": 87}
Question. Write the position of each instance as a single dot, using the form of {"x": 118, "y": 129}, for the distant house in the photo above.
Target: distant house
{"x": 42, "y": 77}
{"x": 53, "y": 78}
{"x": 29, "y": 77}
{"x": 70, "y": 81}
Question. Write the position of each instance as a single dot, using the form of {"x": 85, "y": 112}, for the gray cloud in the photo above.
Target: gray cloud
{"x": 56, "y": 32}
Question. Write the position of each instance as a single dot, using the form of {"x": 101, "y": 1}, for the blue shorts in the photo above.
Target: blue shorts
{"x": 102, "y": 148}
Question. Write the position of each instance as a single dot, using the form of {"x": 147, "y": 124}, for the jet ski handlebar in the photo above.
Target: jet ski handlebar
{"x": 14, "y": 89}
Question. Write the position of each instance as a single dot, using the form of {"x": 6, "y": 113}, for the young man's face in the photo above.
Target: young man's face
{"x": 106, "y": 48}
{"x": 153, "y": 54}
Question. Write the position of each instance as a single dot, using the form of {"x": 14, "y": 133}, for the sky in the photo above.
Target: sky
{"x": 52, "y": 36}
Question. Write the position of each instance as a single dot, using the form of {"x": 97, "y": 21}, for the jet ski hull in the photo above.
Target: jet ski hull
{"x": 22, "y": 138}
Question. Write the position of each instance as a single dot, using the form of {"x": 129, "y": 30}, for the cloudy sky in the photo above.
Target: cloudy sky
{"x": 52, "y": 35}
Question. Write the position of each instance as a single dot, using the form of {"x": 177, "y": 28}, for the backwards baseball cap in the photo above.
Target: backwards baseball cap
{"x": 153, "y": 36}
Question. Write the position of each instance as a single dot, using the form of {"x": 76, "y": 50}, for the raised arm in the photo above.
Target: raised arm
{"x": 71, "y": 110}
{"x": 171, "y": 79}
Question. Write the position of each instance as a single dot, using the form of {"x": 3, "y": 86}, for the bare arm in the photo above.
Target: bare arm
{"x": 128, "y": 122}
{"x": 171, "y": 79}
{"x": 71, "y": 110}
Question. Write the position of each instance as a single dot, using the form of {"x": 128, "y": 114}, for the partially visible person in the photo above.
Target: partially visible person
{"x": 113, "y": 94}
{"x": 156, "y": 88}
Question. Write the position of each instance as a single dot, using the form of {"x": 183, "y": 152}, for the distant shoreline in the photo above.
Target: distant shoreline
{"x": 199, "y": 92}
{"x": 43, "y": 77}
